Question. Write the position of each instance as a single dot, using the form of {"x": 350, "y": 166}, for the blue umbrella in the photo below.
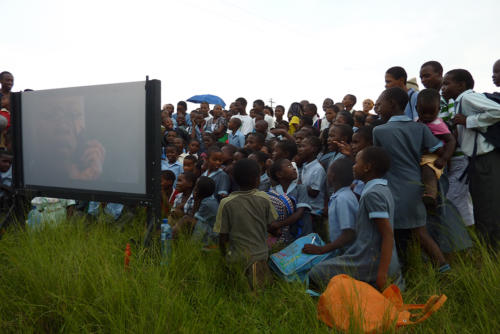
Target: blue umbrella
{"x": 210, "y": 99}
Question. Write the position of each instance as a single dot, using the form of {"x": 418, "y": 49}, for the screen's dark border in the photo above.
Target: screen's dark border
{"x": 152, "y": 152}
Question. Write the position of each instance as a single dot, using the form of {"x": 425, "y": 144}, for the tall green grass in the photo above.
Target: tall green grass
{"x": 71, "y": 278}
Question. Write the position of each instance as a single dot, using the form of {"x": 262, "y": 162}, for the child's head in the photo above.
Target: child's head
{"x": 282, "y": 171}
{"x": 204, "y": 109}
{"x": 242, "y": 153}
{"x": 370, "y": 118}
{"x": 359, "y": 118}
{"x": 259, "y": 115}
{"x": 255, "y": 141}
{"x": 328, "y": 102}
{"x": 330, "y": 113}
{"x": 305, "y": 121}
{"x": 299, "y": 136}
{"x": 283, "y": 125}
{"x": 349, "y": 101}
{"x": 371, "y": 163}
{"x": 179, "y": 143}
{"x": 194, "y": 146}
{"x": 181, "y": 119}
{"x": 189, "y": 163}
{"x": 209, "y": 139}
{"x": 309, "y": 148}
{"x": 167, "y": 180}
{"x": 228, "y": 151}
{"x": 261, "y": 127}
{"x": 344, "y": 117}
{"x": 234, "y": 124}
{"x": 197, "y": 118}
{"x": 185, "y": 182}
{"x": 261, "y": 159}
{"x": 268, "y": 111}
{"x": 496, "y": 73}
{"x": 246, "y": 173}
{"x": 367, "y": 105}
{"x": 340, "y": 173}
{"x": 431, "y": 74}
{"x": 205, "y": 187}
{"x": 310, "y": 110}
{"x": 258, "y": 105}
{"x": 172, "y": 153}
{"x": 395, "y": 77}
{"x": 285, "y": 149}
{"x": 338, "y": 133}
{"x": 217, "y": 111}
{"x": 5, "y": 160}
{"x": 361, "y": 139}
{"x": 428, "y": 105}
{"x": 181, "y": 108}
{"x": 455, "y": 82}
{"x": 279, "y": 112}
{"x": 171, "y": 135}
{"x": 391, "y": 102}
{"x": 215, "y": 158}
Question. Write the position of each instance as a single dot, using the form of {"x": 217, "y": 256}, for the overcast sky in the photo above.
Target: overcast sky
{"x": 284, "y": 50}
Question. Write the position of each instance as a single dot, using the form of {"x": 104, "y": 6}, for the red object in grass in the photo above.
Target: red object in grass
{"x": 127, "y": 256}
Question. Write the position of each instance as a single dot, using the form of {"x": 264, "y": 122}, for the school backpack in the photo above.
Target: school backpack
{"x": 354, "y": 306}
{"x": 291, "y": 264}
{"x": 492, "y": 134}
{"x": 284, "y": 206}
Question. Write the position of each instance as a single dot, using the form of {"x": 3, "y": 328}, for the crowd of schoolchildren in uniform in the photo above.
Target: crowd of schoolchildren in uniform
{"x": 416, "y": 167}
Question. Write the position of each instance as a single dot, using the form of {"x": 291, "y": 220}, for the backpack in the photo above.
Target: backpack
{"x": 291, "y": 264}
{"x": 355, "y": 306}
{"x": 492, "y": 134}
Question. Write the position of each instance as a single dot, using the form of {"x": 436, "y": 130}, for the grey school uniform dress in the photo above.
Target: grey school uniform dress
{"x": 298, "y": 194}
{"x": 222, "y": 181}
{"x": 361, "y": 259}
{"x": 405, "y": 141}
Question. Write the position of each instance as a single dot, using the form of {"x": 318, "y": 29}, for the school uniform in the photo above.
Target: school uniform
{"x": 362, "y": 258}
{"x": 358, "y": 187}
{"x": 411, "y": 106}
{"x": 313, "y": 175}
{"x": 298, "y": 194}
{"x": 236, "y": 138}
{"x": 405, "y": 141}
{"x": 484, "y": 183}
{"x": 342, "y": 210}
{"x": 175, "y": 167}
{"x": 222, "y": 181}
{"x": 265, "y": 182}
{"x": 205, "y": 220}
{"x": 334, "y": 156}
{"x": 187, "y": 118}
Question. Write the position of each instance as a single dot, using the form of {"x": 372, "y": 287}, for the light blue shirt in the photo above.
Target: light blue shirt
{"x": 313, "y": 175}
{"x": 342, "y": 210}
{"x": 411, "y": 107}
{"x": 175, "y": 167}
{"x": 222, "y": 181}
{"x": 237, "y": 139}
{"x": 187, "y": 117}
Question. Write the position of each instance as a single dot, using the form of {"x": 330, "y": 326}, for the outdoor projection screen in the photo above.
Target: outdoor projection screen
{"x": 92, "y": 139}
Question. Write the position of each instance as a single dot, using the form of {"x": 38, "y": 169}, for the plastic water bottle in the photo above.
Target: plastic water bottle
{"x": 166, "y": 240}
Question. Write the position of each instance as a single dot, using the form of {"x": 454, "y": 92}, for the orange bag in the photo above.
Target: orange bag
{"x": 349, "y": 304}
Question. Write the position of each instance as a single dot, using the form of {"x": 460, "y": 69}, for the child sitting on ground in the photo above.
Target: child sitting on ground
{"x": 313, "y": 176}
{"x": 183, "y": 202}
{"x": 371, "y": 257}
{"x": 242, "y": 222}
{"x": 261, "y": 158}
{"x": 285, "y": 174}
{"x": 342, "y": 209}
{"x": 428, "y": 107}
{"x": 167, "y": 185}
{"x": 214, "y": 171}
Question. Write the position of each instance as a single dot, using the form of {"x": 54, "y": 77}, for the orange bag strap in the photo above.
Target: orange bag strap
{"x": 433, "y": 304}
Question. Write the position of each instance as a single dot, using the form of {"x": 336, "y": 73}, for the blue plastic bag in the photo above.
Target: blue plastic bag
{"x": 291, "y": 264}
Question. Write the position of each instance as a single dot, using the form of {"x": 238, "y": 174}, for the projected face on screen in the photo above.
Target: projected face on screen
{"x": 85, "y": 137}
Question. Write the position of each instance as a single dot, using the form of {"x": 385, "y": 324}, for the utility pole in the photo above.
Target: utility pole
{"x": 271, "y": 102}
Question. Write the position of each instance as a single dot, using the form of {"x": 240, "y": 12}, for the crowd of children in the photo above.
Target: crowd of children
{"x": 365, "y": 181}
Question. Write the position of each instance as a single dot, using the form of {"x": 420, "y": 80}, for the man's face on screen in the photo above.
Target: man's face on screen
{"x": 60, "y": 124}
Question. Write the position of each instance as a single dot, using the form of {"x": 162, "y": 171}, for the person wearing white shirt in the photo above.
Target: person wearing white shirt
{"x": 474, "y": 114}
{"x": 246, "y": 121}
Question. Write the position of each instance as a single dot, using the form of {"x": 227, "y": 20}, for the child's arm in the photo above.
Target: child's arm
{"x": 282, "y": 132}
{"x": 447, "y": 151}
{"x": 346, "y": 237}
{"x": 312, "y": 193}
{"x": 385, "y": 230}
{"x": 292, "y": 219}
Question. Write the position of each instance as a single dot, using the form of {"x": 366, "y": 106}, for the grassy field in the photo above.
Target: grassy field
{"x": 70, "y": 278}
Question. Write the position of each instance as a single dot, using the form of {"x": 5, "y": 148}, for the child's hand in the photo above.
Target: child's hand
{"x": 344, "y": 148}
{"x": 273, "y": 227}
{"x": 459, "y": 119}
{"x": 312, "y": 249}
{"x": 439, "y": 163}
